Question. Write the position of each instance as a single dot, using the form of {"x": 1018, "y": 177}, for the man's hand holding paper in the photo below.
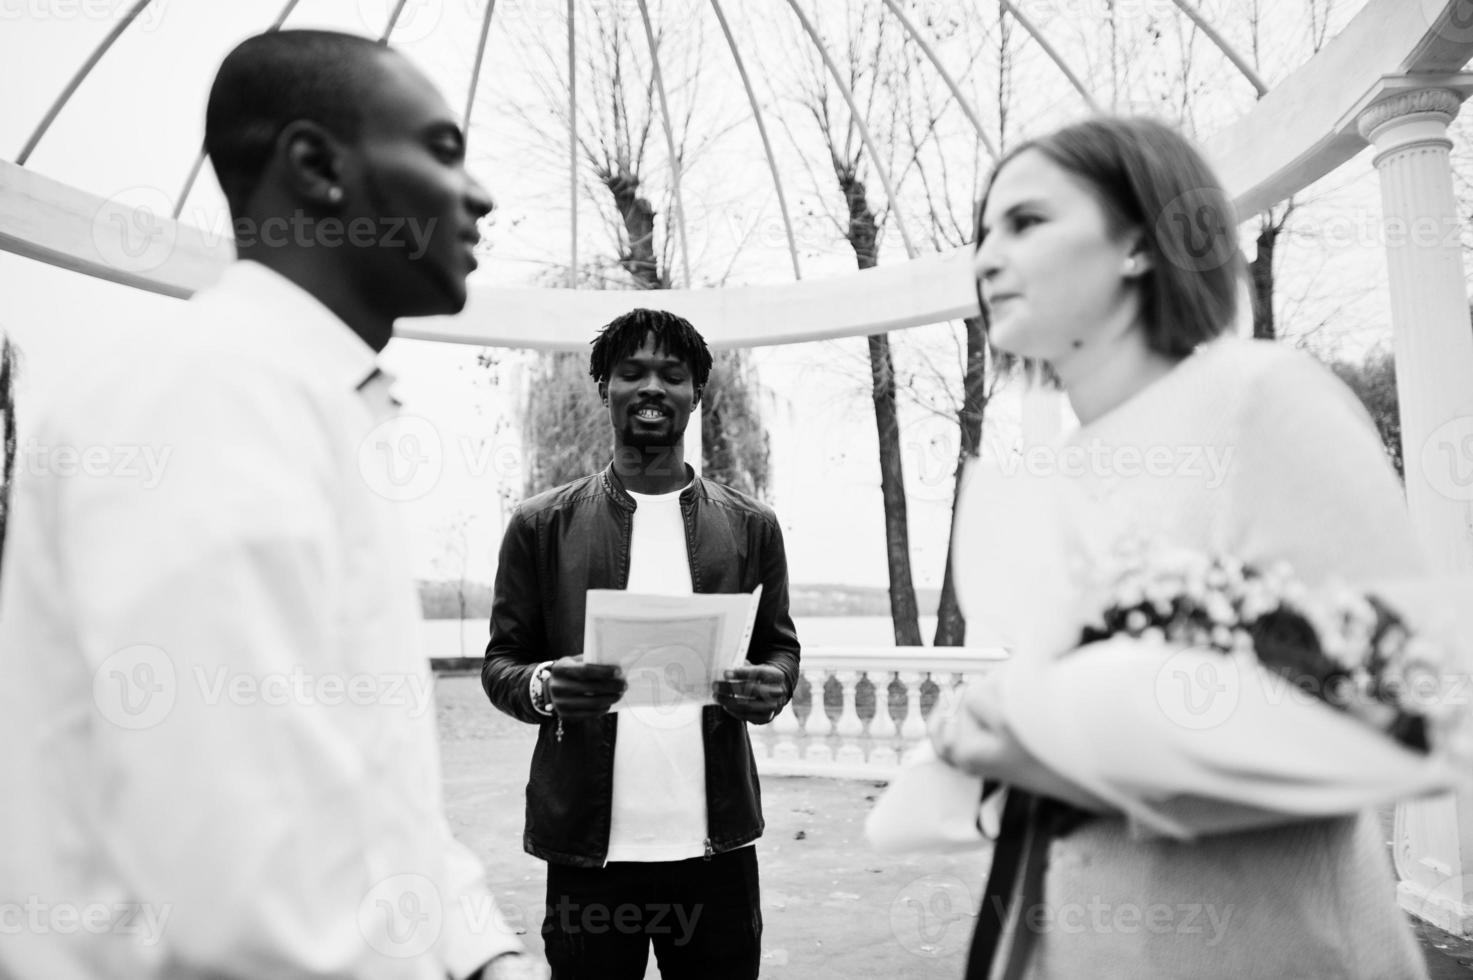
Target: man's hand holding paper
{"x": 752, "y": 692}
{"x": 674, "y": 650}
{"x": 582, "y": 690}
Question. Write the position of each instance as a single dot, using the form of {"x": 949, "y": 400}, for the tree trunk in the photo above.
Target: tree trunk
{"x": 951, "y": 628}
{"x": 7, "y": 433}
{"x": 1261, "y": 277}
{"x": 903, "y": 612}
{"x": 639, "y": 223}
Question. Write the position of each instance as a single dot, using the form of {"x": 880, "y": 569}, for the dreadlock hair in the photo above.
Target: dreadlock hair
{"x": 277, "y": 78}
{"x": 672, "y": 335}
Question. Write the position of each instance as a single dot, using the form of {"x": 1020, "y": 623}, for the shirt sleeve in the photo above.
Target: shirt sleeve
{"x": 256, "y": 810}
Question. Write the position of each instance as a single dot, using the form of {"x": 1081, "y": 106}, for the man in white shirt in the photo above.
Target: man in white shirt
{"x": 646, "y": 817}
{"x": 220, "y": 752}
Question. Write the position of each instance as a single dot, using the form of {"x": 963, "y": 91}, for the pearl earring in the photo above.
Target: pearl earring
{"x": 334, "y": 195}
{"x": 1130, "y": 266}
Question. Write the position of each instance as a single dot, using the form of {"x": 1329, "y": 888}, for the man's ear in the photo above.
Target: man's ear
{"x": 603, "y": 393}
{"x": 697, "y": 400}
{"x": 313, "y": 161}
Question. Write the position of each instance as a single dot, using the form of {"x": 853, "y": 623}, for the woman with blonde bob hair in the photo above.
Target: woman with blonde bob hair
{"x": 1163, "y": 809}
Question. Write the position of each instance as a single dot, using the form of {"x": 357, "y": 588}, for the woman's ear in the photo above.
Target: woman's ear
{"x": 1137, "y": 263}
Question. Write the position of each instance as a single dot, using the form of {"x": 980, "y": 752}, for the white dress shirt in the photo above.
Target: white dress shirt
{"x": 219, "y": 746}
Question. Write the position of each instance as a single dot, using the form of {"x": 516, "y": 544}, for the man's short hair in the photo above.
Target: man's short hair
{"x": 274, "y": 79}
{"x": 673, "y": 335}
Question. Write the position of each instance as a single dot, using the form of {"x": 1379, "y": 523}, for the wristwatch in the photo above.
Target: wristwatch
{"x": 537, "y": 687}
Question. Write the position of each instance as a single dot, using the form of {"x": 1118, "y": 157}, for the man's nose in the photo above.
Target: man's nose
{"x": 478, "y": 199}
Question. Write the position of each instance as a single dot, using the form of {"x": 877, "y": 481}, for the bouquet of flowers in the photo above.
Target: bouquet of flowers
{"x": 1345, "y": 648}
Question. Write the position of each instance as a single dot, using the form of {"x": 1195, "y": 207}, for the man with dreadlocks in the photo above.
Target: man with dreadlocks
{"x": 646, "y": 816}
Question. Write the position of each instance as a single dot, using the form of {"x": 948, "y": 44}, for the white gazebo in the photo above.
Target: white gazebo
{"x": 1391, "y": 78}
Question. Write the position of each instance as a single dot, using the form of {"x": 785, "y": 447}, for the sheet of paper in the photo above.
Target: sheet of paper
{"x": 670, "y": 647}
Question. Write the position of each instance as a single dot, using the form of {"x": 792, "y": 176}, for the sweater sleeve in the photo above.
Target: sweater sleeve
{"x": 1190, "y": 742}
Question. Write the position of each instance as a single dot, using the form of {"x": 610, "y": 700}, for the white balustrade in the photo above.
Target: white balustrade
{"x": 804, "y": 740}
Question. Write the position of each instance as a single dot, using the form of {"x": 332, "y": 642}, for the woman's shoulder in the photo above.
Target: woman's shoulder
{"x": 1249, "y": 360}
{"x": 1268, "y": 378}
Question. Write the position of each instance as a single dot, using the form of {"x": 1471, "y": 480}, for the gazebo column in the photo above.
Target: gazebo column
{"x": 1406, "y": 119}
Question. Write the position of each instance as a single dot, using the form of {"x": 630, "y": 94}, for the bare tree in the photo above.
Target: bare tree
{"x": 867, "y": 53}
{"x": 7, "y": 433}
{"x": 566, "y": 432}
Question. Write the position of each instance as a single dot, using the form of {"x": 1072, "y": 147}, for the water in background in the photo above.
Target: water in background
{"x": 444, "y": 637}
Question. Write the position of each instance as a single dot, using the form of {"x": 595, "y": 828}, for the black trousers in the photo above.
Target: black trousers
{"x": 703, "y": 916}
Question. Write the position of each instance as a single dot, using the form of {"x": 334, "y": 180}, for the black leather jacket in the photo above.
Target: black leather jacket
{"x": 576, "y": 537}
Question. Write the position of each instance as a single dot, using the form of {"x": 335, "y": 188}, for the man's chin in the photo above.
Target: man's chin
{"x": 652, "y": 440}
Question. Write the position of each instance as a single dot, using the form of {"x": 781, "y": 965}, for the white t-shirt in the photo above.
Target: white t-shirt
{"x": 659, "y": 808}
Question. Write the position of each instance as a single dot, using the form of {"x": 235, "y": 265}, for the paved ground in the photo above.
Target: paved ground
{"x": 833, "y": 908}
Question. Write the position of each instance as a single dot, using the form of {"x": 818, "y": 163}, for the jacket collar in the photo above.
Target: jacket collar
{"x": 614, "y": 487}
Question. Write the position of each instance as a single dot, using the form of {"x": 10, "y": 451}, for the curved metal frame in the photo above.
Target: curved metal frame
{"x": 78, "y": 78}
{"x": 649, "y": 34}
{"x": 572, "y": 147}
{"x": 956, "y": 91}
{"x": 199, "y": 161}
{"x": 393, "y": 21}
{"x": 1289, "y": 139}
{"x": 470, "y": 92}
{"x": 782, "y": 199}
{"x": 1053, "y": 55}
{"x": 1217, "y": 39}
{"x": 880, "y": 169}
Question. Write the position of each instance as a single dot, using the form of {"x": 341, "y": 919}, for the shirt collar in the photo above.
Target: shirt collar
{"x": 294, "y": 324}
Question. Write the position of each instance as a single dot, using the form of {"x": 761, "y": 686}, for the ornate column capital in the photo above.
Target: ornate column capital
{"x": 1417, "y": 102}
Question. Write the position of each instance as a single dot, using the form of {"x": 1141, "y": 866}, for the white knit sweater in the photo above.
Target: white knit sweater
{"x": 1257, "y": 451}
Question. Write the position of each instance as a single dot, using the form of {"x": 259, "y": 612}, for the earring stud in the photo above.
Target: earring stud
{"x": 335, "y": 195}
